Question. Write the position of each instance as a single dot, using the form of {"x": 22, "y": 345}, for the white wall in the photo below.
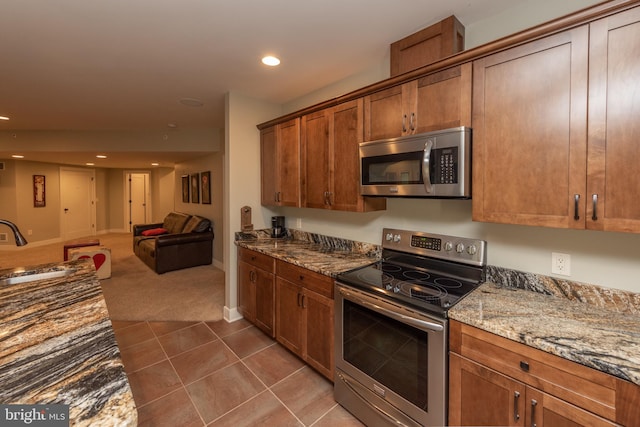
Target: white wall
{"x": 242, "y": 183}
{"x": 603, "y": 258}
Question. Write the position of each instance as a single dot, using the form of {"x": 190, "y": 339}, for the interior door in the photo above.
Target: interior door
{"x": 138, "y": 197}
{"x": 77, "y": 201}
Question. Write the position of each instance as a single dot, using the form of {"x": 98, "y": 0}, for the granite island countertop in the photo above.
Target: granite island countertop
{"x": 57, "y": 346}
{"x": 325, "y": 255}
{"x": 596, "y": 337}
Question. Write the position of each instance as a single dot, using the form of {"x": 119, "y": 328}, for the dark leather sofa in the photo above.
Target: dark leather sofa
{"x": 180, "y": 241}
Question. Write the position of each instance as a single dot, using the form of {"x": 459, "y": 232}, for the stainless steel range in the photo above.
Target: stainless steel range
{"x": 391, "y": 330}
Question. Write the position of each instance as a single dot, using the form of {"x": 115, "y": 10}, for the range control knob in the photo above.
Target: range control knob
{"x": 396, "y": 238}
{"x": 388, "y": 237}
{"x": 460, "y": 248}
{"x": 396, "y": 289}
{"x": 472, "y": 250}
{"x": 448, "y": 246}
{"x": 388, "y": 287}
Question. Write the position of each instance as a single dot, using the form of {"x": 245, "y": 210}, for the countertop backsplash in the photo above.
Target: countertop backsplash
{"x": 611, "y": 299}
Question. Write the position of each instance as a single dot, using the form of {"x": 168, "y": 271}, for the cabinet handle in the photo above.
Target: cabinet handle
{"x": 301, "y": 277}
{"x": 534, "y": 403}
{"x": 252, "y": 276}
{"x": 524, "y": 366}
{"x": 595, "y": 207}
{"x": 576, "y": 200}
{"x": 304, "y": 299}
{"x": 412, "y": 122}
{"x": 404, "y": 123}
{"x": 516, "y": 398}
{"x": 299, "y": 299}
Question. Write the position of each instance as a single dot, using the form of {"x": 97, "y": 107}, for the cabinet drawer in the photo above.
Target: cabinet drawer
{"x": 306, "y": 278}
{"x": 582, "y": 386}
{"x": 257, "y": 259}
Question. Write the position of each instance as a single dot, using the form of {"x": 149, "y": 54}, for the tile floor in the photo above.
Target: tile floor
{"x": 221, "y": 374}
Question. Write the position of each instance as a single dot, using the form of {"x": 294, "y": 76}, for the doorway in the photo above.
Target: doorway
{"x": 138, "y": 199}
{"x": 77, "y": 200}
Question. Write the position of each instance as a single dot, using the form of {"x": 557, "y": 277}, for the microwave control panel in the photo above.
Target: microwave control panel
{"x": 444, "y": 163}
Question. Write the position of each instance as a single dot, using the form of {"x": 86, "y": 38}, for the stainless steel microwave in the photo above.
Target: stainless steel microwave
{"x": 435, "y": 164}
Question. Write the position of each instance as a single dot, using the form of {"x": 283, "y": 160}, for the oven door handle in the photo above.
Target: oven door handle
{"x": 418, "y": 323}
{"x": 426, "y": 159}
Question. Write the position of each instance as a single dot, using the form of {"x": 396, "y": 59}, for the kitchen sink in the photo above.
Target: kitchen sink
{"x": 31, "y": 277}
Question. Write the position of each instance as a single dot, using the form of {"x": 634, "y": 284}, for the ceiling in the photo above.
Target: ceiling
{"x": 71, "y": 65}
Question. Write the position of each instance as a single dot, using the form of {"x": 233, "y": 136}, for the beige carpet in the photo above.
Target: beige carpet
{"x": 134, "y": 291}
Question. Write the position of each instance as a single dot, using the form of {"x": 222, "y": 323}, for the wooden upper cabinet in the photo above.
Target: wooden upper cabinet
{"x": 437, "y": 101}
{"x": 529, "y": 132}
{"x": 330, "y": 159}
{"x": 280, "y": 164}
{"x": 426, "y": 46}
{"x": 614, "y": 125}
{"x": 269, "y": 179}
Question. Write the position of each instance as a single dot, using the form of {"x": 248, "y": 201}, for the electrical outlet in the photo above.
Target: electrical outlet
{"x": 299, "y": 223}
{"x": 561, "y": 264}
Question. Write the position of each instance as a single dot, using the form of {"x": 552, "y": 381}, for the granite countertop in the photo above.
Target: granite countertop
{"x": 597, "y": 337}
{"x": 324, "y": 255}
{"x": 57, "y": 346}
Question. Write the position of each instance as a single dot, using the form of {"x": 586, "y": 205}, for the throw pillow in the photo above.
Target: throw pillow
{"x": 154, "y": 232}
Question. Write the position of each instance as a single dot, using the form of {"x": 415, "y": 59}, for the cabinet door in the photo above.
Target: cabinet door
{"x": 319, "y": 332}
{"x": 443, "y": 99}
{"x": 288, "y": 143}
{"x": 614, "y": 128}
{"x": 268, "y": 167}
{"x": 289, "y": 316}
{"x": 315, "y": 159}
{"x": 529, "y": 132}
{"x": 265, "y": 301}
{"x": 479, "y": 396}
{"x": 545, "y": 410}
{"x": 383, "y": 114}
{"x": 247, "y": 291}
{"x": 346, "y": 133}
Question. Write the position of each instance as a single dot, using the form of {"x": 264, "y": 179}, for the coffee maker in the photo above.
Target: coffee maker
{"x": 277, "y": 227}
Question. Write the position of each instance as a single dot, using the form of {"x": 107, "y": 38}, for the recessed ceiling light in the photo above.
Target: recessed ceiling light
{"x": 172, "y": 125}
{"x": 271, "y": 61}
{"x": 90, "y": 164}
{"x": 4, "y": 118}
{"x": 191, "y": 102}
{"x": 101, "y": 156}
{"x": 155, "y": 164}
{"x": 17, "y": 156}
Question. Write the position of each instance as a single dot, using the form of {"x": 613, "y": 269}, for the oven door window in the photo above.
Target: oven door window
{"x": 393, "y": 169}
{"x": 392, "y": 353}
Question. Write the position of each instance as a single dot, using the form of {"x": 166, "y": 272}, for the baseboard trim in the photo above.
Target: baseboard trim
{"x": 231, "y": 314}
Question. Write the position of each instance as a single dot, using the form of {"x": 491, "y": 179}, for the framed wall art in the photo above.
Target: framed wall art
{"x": 195, "y": 188}
{"x": 185, "y": 188}
{"x": 205, "y": 185}
{"x": 39, "y": 191}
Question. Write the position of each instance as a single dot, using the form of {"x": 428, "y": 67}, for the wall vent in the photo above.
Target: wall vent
{"x": 3, "y": 237}
{"x": 1, "y": 166}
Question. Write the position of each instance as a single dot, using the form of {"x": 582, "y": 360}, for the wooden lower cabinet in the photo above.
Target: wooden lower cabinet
{"x": 494, "y": 381}
{"x": 480, "y": 396}
{"x": 304, "y": 317}
{"x": 256, "y": 289}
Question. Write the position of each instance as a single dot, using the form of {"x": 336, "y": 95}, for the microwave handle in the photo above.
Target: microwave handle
{"x": 426, "y": 158}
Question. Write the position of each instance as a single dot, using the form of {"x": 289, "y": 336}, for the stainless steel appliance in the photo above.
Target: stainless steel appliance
{"x": 277, "y": 227}
{"x": 391, "y": 330}
{"x": 434, "y": 164}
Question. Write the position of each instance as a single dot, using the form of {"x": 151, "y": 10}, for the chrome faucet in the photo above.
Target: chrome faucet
{"x": 20, "y": 240}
